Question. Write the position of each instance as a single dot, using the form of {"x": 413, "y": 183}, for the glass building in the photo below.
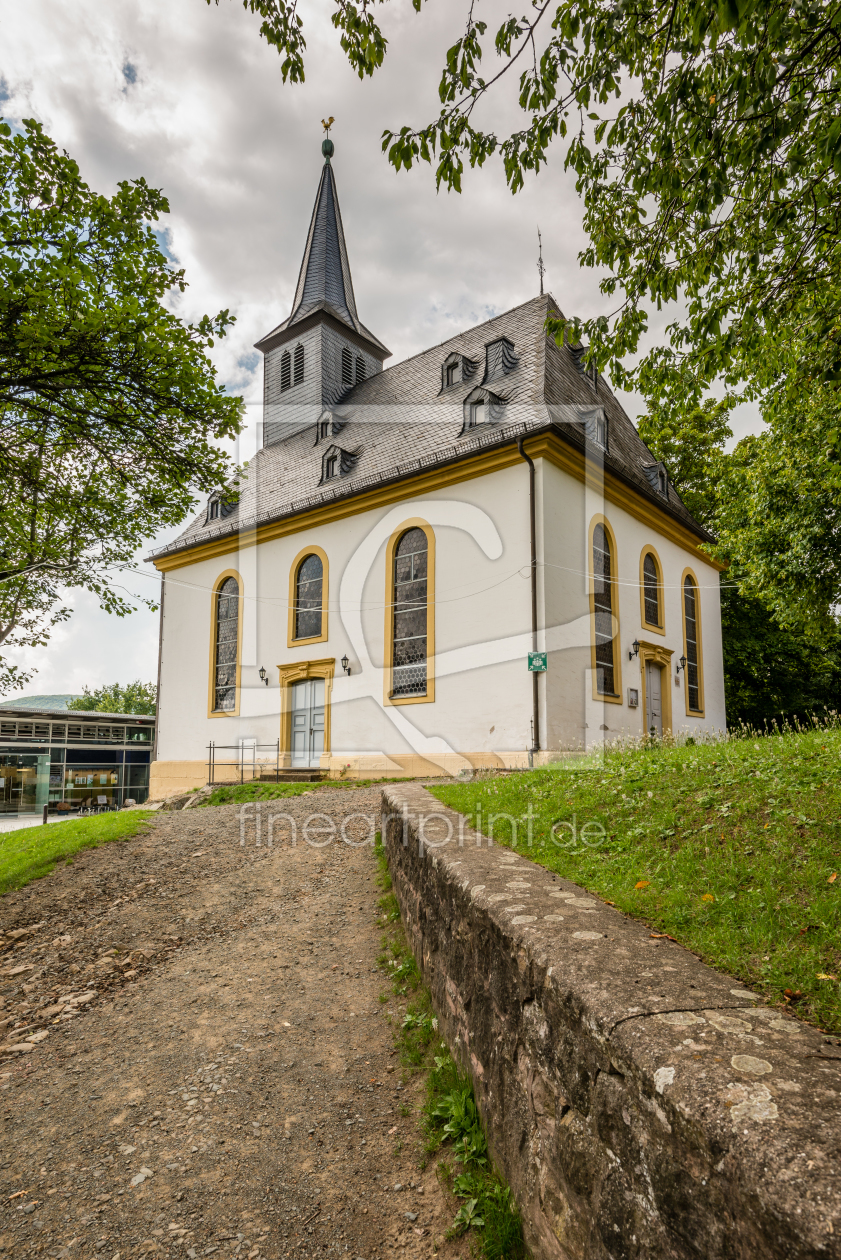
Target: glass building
{"x": 68, "y": 760}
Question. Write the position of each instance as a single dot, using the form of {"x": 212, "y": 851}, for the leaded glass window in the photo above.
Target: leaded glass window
{"x": 651, "y": 590}
{"x": 603, "y": 612}
{"x": 410, "y": 614}
{"x": 227, "y": 635}
{"x": 308, "y": 593}
{"x": 690, "y": 622}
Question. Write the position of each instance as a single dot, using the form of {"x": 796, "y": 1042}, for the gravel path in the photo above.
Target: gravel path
{"x": 225, "y": 1083}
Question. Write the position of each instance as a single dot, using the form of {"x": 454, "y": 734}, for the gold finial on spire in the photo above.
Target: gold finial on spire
{"x": 327, "y": 123}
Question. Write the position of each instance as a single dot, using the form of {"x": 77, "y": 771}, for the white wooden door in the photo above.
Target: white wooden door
{"x": 307, "y": 722}
{"x": 653, "y": 704}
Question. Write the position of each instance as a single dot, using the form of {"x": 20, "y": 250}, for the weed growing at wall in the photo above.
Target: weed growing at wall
{"x": 451, "y": 1120}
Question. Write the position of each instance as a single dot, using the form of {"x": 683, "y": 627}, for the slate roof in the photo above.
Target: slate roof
{"x": 401, "y": 422}
{"x": 324, "y": 282}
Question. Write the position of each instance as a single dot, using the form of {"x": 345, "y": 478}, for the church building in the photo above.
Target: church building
{"x": 467, "y": 559}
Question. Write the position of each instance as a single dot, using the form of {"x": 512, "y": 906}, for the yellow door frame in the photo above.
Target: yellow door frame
{"x": 297, "y": 672}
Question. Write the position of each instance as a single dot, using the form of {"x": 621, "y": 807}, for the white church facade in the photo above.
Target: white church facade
{"x": 406, "y": 537}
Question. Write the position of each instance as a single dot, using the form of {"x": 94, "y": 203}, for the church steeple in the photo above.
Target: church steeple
{"x": 323, "y": 348}
{"x": 324, "y": 279}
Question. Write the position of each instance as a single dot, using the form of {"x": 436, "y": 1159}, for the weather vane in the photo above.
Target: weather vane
{"x": 540, "y": 267}
{"x": 327, "y": 147}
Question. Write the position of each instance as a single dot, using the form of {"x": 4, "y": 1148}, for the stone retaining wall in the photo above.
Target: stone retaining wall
{"x": 640, "y": 1104}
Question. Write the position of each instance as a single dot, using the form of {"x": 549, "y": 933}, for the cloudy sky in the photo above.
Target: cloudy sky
{"x": 189, "y": 97}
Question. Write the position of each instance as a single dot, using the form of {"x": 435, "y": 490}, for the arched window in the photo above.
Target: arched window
{"x": 603, "y": 627}
{"x": 299, "y": 364}
{"x": 360, "y": 370}
{"x": 347, "y": 367}
{"x": 410, "y": 619}
{"x": 308, "y": 598}
{"x": 285, "y": 370}
{"x": 650, "y": 590}
{"x": 692, "y": 645}
{"x": 226, "y": 648}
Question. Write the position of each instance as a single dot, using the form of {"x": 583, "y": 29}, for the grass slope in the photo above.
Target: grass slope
{"x": 240, "y": 793}
{"x": 32, "y": 852}
{"x": 732, "y": 848}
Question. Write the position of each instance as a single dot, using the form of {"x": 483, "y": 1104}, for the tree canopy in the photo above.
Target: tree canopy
{"x": 110, "y": 413}
{"x": 135, "y": 697}
{"x": 705, "y": 140}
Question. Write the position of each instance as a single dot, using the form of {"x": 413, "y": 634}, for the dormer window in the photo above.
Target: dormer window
{"x": 658, "y": 478}
{"x": 218, "y": 508}
{"x": 595, "y": 427}
{"x": 500, "y": 359}
{"x": 329, "y": 425}
{"x": 589, "y": 373}
{"x": 337, "y": 463}
{"x": 481, "y": 408}
{"x": 456, "y": 369}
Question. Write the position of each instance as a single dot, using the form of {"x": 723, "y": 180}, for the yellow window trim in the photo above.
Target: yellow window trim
{"x": 414, "y": 522}
{"x": 600, "y": 519}
{"x": 214, "y": 605}
{"x": 297, "y": 671}
{"x": 661, "y": 601}
{"x": 291, "y": 641}
{"x": 659, "y": 655}
{"x": 688, "y": 573}
{"x": 547, "y": 446}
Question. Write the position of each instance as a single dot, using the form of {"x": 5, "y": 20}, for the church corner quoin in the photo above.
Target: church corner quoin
{"x": 386, "y": 522}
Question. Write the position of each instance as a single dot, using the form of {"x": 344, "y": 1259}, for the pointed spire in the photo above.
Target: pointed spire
{"x": 324, "y": 282}
{"x": 325, "y": 271}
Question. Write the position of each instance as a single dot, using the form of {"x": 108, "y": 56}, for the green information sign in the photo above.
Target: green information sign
{"x": 537, "y": 662}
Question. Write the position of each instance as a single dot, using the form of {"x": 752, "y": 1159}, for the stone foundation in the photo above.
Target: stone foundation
{"x": 641, "y": 1105}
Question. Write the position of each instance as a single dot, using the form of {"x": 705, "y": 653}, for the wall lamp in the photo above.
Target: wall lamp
{"x": 635, "y": 649}
{"x": 345, "y": 664}
{"x": 682, "y": 664}
{"x": 264, "y": 676}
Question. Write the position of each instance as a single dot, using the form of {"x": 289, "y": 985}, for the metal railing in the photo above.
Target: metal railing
{"x": 248, "y": 763}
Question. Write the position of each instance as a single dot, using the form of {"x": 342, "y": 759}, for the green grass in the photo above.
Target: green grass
{"x": 33, "y": 852}
{"x": 239, "y": 793}
{"x": 730, "y": 847}
{"x": 450, "y": 1118}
